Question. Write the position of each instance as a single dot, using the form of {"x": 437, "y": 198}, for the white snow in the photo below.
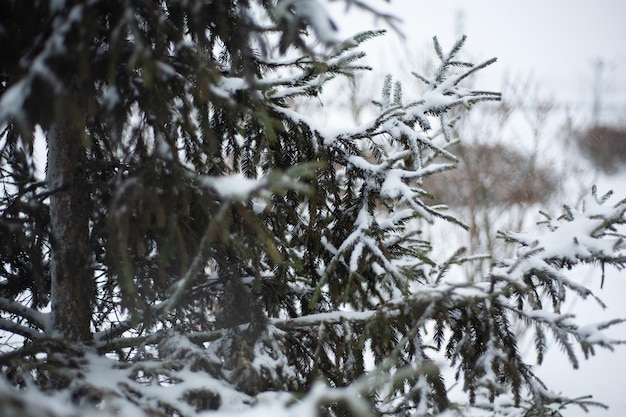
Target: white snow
{"x": 12, "y": 101}
{"x": 235, "y": 187}
{"x": 312, "y": 12}
{"x": 394, "y": 186}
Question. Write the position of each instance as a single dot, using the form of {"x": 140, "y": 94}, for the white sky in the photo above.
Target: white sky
{"x": 557, "y": 41}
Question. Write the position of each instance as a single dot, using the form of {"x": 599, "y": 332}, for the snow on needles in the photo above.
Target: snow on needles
{"x": 579, "y": 235}
{"x": 233, "y": 187}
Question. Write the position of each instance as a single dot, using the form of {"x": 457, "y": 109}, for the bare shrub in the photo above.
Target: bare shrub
{"x": 604, "y": 146}
{"x": 493, "y": 174}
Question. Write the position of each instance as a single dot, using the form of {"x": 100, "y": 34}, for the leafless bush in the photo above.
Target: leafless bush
{"x": 605, "y": 146}
{"x": 494, "y": 175}
{"x": 493, "y": 187}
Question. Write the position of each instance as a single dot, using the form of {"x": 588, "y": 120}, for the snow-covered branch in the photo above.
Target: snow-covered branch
{"x": 33, "y": 316}
{"x": 588, "y": 235}
{"x": 14, "y": 327}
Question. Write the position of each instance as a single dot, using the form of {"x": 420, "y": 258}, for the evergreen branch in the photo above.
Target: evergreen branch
{"x": 20, "y": 353}
{"x": 473, "y": 70}
{"x": 445, "y": 267}
{"x": 210, "y": 336}
{"x": 329, "y": 318}
{"x": 258, "y": 291}
{"x": 438, "y": 48}
{"x": 456, "y": 48}
{"x": 111, "y": 345}
{"x": 116, "y": 329}
{"x": 35, "y": 317}
{"x": 355, "y": 41}
{"x": 178, "y": 290}
{"x": 27, "y": 332}
{"x": 41, "y": 345}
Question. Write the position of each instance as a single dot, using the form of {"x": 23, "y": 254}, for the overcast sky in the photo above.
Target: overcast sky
{"x": 557, "y": 41}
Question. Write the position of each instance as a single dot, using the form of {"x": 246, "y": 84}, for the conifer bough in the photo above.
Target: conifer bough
{"x": 192, "y": 245}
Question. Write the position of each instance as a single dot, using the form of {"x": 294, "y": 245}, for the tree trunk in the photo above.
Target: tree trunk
{"x": 72, "y": 277}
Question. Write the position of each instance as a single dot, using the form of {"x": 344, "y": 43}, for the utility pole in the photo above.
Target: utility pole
{"x": 597, "y": 91}
{"x": 459, "y": 24}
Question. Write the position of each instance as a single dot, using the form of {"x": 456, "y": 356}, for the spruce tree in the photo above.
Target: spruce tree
{"x": 192, "y": 244}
